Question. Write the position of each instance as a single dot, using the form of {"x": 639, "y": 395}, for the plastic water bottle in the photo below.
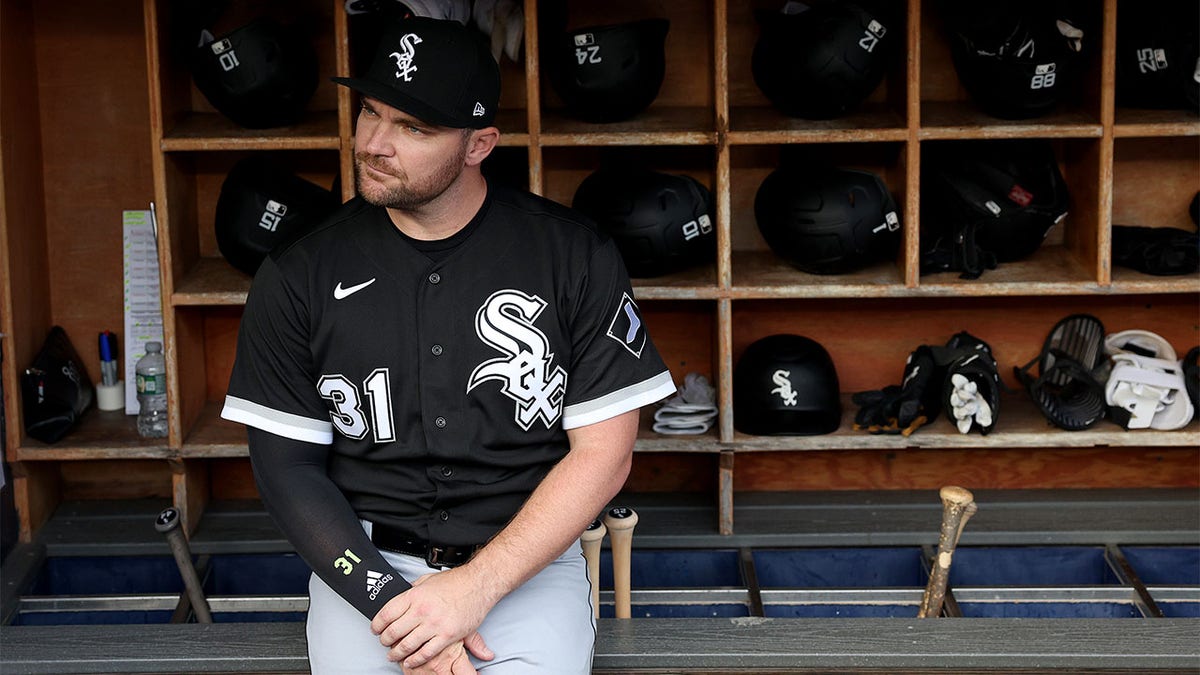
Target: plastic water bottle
{"x": 152, "y": 392}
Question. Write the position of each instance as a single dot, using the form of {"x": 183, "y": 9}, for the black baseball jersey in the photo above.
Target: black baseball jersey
{"x": 445, "y": 387}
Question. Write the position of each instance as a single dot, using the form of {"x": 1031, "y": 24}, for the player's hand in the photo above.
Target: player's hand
{"x": 440, "y": 609}
{"x": 453, "y": 660}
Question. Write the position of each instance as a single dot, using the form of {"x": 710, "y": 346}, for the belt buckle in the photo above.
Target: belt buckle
{"x": 433, "y": 557}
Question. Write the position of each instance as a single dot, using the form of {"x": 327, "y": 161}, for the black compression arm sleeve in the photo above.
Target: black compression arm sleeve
{"x": 316, "y": 518}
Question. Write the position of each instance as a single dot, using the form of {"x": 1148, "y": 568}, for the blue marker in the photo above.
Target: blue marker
{"x": 108, "y": 359}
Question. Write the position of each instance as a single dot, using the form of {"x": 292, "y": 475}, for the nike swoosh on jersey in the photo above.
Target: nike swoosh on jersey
{"x": 340, "y": 293}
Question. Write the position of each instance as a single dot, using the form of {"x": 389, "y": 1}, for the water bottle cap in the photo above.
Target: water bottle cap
{"x": 154, "y": 346}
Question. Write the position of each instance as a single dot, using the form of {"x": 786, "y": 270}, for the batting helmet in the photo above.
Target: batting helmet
{"x": 1158, "y": 55}
{"x": 261, "y": 206}
{"x": 988, "y": 202}
{"x": 786, "y": 385}
{"x": 259, "y": 75}
{"x": 823, "y": 60}
{"x": 826, "y": 222}
{"x": 1016, "y": 59}
{"x": 608, "y": 73}
{"x": 660, "y": 222}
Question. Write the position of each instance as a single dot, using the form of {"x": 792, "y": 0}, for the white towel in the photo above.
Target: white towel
{"x": 692, "y": 411}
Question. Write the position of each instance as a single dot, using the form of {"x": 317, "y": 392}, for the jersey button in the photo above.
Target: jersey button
{"x": 447, "y": 472}
{"x": 440, "y": 422}
{"x": 435, "y": 278}
{"x": 436, "y": 349}
{"x": 444, "y": 515}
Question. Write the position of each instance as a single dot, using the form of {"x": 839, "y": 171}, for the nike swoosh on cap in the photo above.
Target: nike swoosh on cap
{"x": 340, "y": 293}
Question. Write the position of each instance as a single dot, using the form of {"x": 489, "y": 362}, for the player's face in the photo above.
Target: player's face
{"x": 402, "y": 162}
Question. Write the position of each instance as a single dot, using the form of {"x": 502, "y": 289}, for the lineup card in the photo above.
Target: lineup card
{"x": 143, "y": 301}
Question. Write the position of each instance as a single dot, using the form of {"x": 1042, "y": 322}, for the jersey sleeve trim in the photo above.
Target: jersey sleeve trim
{"x": 277, "y": 422}
{"x": 621, "y": 401}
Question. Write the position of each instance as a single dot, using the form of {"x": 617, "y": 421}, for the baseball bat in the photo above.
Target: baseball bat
{"x": 591, "y": 539}
{"x": 958, "y": 505}
{"x": 167, "y": 523}
{"x": 620, "y": 521}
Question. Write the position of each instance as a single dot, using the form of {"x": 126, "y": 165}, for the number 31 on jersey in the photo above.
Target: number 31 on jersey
{"x": 348, "y": 416}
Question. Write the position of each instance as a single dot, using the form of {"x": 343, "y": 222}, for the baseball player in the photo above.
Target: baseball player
{"x": 441, "y": 385}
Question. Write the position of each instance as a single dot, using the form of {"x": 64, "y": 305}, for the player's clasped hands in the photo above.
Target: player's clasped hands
{"x": 453, "y": 660}
{"x": 431, "y": 627}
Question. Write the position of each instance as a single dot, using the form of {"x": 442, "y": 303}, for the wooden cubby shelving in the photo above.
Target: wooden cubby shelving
{"x": 85, "y": 137}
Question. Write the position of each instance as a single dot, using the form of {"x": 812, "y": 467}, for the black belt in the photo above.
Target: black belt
{"x": 435, "y": 556}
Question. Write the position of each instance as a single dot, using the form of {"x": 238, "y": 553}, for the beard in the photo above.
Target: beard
{"x": 406, "y": 194}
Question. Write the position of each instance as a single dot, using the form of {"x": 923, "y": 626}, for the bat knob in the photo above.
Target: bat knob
{"x": 595, "y": 531}
{"x": 956, "y": 495}
{"x": 167, "y": 520}
{"x": 620, "y": 518}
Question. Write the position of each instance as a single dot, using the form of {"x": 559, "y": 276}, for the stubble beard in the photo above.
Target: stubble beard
{"x": 406, "y": 194}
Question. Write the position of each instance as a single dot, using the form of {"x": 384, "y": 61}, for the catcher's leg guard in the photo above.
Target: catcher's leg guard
{"x": 1065, "y": 389}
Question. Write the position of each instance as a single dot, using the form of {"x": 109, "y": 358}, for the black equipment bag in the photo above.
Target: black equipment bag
{"x": 55, "y": 389}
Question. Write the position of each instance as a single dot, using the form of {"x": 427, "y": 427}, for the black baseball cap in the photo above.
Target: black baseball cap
{"x": 438, "y": 70}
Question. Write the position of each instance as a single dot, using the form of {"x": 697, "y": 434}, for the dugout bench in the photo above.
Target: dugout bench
{"x": 1112, "y": 620}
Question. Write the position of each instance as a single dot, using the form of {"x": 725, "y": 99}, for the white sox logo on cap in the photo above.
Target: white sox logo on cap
{"x": 439, "y": 71}
{"x": 404, "y": 57}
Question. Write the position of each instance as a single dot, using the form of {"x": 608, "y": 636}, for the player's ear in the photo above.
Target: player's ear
{"x": 480, "y": 144}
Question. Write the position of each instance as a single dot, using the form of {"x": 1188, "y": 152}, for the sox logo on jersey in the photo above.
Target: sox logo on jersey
{"x": 505, "y": 322}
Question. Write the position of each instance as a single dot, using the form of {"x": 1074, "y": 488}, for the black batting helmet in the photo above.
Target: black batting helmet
{"x": 786, "y": 385}
{"x": 823, "y": 60}
{"x": 1158, "y": 55}
{"x": 985, "y": 202}
{"x": 261, "y": 206}
{"x": 608, "y": 73}
{"x": 1017, "y": 59}
{"x": 660, "y": 222}
{"x": 259, "y": 75}
{"x": 827, "y": 221}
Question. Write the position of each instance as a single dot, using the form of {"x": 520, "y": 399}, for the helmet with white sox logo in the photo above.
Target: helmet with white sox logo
{"x": 786, "y": 385}
{"x": 661, "y": 223}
